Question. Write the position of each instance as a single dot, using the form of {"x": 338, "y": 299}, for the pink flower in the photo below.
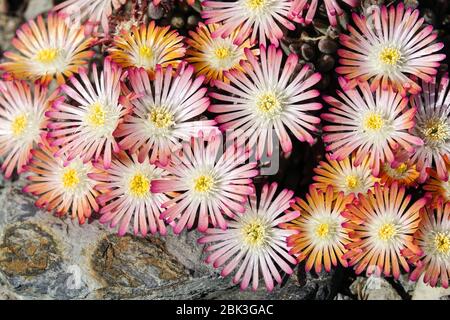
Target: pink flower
{"x": 22, "y": 122}
{"x": 383, "y": 223}
{"x": 95, "y": 12}
{"x": 263, "y": 101}
{"x": 163, "y": 112}
{"x": 85, "y": 127}
{"x": 320, "y": 239}
{"x": 433, "y": 238}
{"x": 254, "y": 243}
{"x": 368, "y": 123}
{"x": 61, "y": 184}
{"x": 389, "y": 46}
{"x": 126, "y": 197}
{"x": 48, "y": 49}
{"x": 433, "y": 127}
{"x": 262, "y": 18}
{"x": 310, "y": 7}
{"x": 208, "y": 185}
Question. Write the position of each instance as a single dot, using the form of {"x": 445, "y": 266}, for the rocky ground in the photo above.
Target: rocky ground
{"x": 47, "y": 257}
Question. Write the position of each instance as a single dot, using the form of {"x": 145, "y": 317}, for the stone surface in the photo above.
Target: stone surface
{"x": 37, "y": 7}
{"x": 374, "y": 288}
{"x": 423, "y": 291}
{"x": 8, "y": 27}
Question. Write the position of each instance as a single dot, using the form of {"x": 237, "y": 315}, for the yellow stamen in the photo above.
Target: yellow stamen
{"x": 222, "y": 53}
{"x": 323, "y": 230}
{"x": 70, "y": 179}
{"x": 442, "y": 242}
{"x": 269, "y": 105}
{"x": 18, "y": 125}
{"x": 146, "y": 52}
{"x": 256, "y": 4}
{"x": 390, "y": 56}
{"x": 437, "y": 131}
{"x": 254, "y": 233}
{"x": 374, "y": 122}
{"x": 401, "y": 169}
{"x": 139, "y": 185}
{"x": 161, "y": 118}
{"x": 97, "y": 115}
{"x": 387, "y": 231}
{"x": 203, "y": 184}
{"x": 351, "y": 181}
{"x": 47, "y": 55}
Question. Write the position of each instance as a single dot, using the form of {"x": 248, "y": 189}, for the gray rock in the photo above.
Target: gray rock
{"x": 8, "y": 27}
{"x": 424, "y": 291}
{"x": 37, "y": 7}
{"x": 373, "y": 288}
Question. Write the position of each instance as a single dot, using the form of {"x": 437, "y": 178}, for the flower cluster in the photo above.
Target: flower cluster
{"x": 166, "y": 133}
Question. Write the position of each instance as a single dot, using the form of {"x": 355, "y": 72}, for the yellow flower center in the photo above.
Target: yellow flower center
{"x": 442, "y": 242}
{"x": 269, "y": 105}
{"x": 373, "y": 122}
{"x": 351, "y": 181}
{"x": 47, "y": 55}
{"x": 437, "y": 131}
{"x": 390, "y": 56}
{"x": 146, "y": 52}
{"x": 161, "y": 118}
{"x": 139, "y": 185}
{"x": 97, "y": 115}
{"x": 323, "y": 230}
{"x": 203, "y": 184}
{"x": 70, "y": 178}
{"x": 18, "y": 125}
{"x": 387, "y": 231}
{"x": 256, "y": 4}
{"x": 254, "y": 233}
{"x": 222, "y": 53}
{"x": 401, "y": 169}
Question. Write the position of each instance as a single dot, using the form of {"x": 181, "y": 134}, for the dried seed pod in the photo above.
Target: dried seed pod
{"x": 327, "y": 46}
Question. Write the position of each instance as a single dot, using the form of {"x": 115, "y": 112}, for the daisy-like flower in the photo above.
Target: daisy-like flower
{"x": 383, "y": 224}
{"x": 126, "y": 196}
{"x": 61, "y": 184}
{"x": 433, "y": 126}
{"x": 262, "y": 18}
{"x": 22, "y": 121}
{"x": 85, "y": 127}
{"x": 309, "y": 7}
{"x": 148, "y": 46}
{"x": 403, "y": 170}
{"x": 209, "y": 185}
{"x": 436, "y": 187}
{"x": 254, "y": 243}
{"x": 433, "y": 237}
{"x": 368, "y": 123}
{"x": 344, "y": 176}
{"x": 263, "y": 101}
{"x": 389, "y": 46}
{"x": 320, "y": 237}
{"x": 163, "y": 113}
{"x": 47, "y": 50}
{"x": 213, "y": 56}
{"x": 94, "y": 12}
